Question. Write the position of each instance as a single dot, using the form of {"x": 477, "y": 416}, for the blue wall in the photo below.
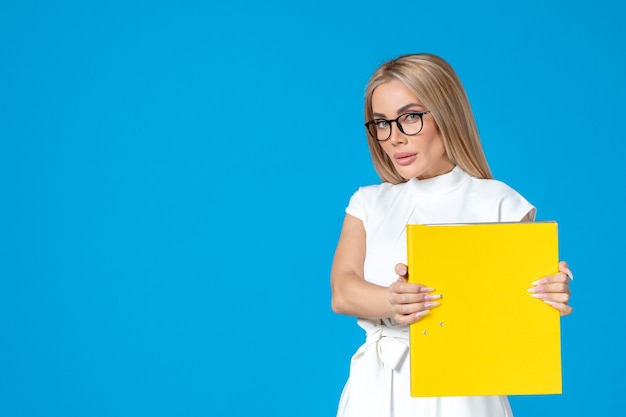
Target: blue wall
{"x": 173, "y": 177}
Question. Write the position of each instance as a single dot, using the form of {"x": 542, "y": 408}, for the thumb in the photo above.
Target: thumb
{"x": 402, "y": 270}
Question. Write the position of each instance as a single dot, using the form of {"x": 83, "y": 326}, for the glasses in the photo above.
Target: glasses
{"x": 408, "y": 123}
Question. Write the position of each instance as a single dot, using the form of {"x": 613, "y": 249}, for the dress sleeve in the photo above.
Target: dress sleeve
{"x": 356, "y": 205}
{"x": 513, "y": 207}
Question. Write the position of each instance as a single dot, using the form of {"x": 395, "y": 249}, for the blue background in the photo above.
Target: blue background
{"x": 174, "y": 176}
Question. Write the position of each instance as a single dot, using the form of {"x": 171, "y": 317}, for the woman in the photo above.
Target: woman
{"x": 426, "y": 149}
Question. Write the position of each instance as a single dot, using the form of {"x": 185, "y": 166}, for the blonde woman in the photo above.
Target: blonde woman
{"x": 426, "y": 149}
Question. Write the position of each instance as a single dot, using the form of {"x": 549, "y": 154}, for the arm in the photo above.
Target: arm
{"x": 354, "y": 296}
{"x": 351, "y": 294}
{"x": 553, "y": 290}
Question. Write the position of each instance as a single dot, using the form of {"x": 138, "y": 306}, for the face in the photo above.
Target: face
{"x": 421, "y": 156}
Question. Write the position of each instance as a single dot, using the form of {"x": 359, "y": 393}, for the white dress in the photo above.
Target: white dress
{"x": 379, "y": 385}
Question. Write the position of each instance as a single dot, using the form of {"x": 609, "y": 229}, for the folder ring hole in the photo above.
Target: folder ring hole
{"x": 425, "y": 333}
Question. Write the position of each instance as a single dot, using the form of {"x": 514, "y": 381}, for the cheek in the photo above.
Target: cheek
{"x": 386, "y": 148}
{"x": 435, "y": 143}
{"x": 441, "y": 145}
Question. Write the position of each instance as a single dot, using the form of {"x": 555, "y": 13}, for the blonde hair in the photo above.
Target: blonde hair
{"x": 434, "y": 82}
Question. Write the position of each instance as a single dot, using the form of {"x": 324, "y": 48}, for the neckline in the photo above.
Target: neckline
{"x": 441, "y": 184}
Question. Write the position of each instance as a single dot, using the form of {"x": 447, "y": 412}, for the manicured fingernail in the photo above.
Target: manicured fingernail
{"x": 540, "y": 296}
{"x": 402, "y": 271}
{"x": 552, "y": 303}
{"x": 431, "y": 304}
{"x": 539, "y": 282}
{"x": 570, "y": 275}
{"x": 536, "y": 289}
{"x": 433, "y": 297}
{"x": 421, "y": 314}
{"x": 426, "y": 289}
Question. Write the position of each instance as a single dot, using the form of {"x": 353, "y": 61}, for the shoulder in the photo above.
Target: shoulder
{"x": 382, "y": 189}
{"x": 380, "y": 192}
{"x": 491, "y": 187}
{"x": 511, "y": 205}
{"x": 371, "y": 198}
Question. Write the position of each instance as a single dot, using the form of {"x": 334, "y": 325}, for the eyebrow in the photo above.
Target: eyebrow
{"x": 400, "y": 110}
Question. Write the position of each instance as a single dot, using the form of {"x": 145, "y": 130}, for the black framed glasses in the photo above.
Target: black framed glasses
{"x": 410, "y": 124}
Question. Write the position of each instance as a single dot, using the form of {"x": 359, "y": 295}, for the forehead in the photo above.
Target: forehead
{"x": 391, "y": 96}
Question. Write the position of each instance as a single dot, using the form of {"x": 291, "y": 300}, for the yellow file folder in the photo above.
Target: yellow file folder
{"x": 488, "y": 336}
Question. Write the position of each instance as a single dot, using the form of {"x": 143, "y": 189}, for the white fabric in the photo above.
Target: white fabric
{"x": 379, "y": 385}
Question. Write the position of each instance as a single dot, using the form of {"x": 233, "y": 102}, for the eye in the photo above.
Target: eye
{"x": 411, "y": 117}
{"x": 382, "y": 124}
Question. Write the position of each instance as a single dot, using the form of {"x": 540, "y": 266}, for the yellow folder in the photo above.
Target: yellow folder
{"x": 488, "y": 336}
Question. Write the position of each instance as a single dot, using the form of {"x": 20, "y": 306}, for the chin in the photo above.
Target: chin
{"x": 407, "y": 174}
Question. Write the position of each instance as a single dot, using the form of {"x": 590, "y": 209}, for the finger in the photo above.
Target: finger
{"x": 554, "y": 297}
{"x": 556, "y": 287}
{"x": 416, "y": 316}
{"x": 564, "y": 309}
{"x": 407, "y": 309}
{"x": 553, "y": 283}
{"x": 414, "y": 308}
{"x": 402, "y": 270}
{"x": 402, "y": 287}
{"x": 414, "y": 296}
{"x": 407, "y": 319}
{"x": 560, "y": 277}
{"x": 564, "y": 268}
{"x": 405, "y": 298}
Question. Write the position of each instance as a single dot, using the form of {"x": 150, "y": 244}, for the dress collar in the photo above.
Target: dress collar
{"x": 441, "y": 184}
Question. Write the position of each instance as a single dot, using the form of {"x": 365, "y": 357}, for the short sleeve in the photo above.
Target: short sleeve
{"x": 355, "y": 205}
{"x": 514, "y": 207}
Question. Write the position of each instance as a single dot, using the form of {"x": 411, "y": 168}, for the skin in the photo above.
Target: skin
{"x": 389, "y": 101}
{"x": 421, "y": 156}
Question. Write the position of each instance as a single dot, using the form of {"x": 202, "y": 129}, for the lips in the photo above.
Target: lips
{"x": 404, "y": 158}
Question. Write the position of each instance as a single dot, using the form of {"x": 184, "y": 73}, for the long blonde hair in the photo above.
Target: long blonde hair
{"x": 435, "y": 83}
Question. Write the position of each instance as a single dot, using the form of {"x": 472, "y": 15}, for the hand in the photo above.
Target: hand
{"x": 554, "y": 289}
{"x": 410, "y": 302}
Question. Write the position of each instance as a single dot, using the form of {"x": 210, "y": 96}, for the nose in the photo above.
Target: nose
{"x": 397, "y": 137}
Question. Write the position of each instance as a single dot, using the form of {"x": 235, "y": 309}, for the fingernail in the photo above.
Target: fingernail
{"x": 552, "y": 303}
{"x": 421, "y": 314}
{"x": 536, "y": 289}
{"x": 570, "y": 275}
{"x": 426, "y": 289}
{"x": 402, "y": 271}
{"x": 433, "y": 297}
{"x": 431, "y": 304}
{"x": 540, "y": 296}
{"x": 539, "y": 282}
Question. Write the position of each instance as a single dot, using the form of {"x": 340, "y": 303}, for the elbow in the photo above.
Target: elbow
{"x": 345, "y": 284}
{"x": 338, "y": 302}
{"x": 336, "y": 305}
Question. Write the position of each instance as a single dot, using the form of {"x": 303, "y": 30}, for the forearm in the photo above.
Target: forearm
{"x": 353, "y": 296}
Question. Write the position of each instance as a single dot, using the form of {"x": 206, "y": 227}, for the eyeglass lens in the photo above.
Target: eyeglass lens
{"x": 409, "y": 124}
